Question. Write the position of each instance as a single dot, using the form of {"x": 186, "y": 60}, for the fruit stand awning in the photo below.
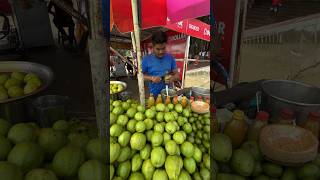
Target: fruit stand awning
{"x": 192, "y": 27}
{"x": 156, "y": 13}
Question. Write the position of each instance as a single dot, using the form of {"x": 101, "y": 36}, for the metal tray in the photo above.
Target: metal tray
{"x": 45, "y": 74}
{"x": 200, "y": 107}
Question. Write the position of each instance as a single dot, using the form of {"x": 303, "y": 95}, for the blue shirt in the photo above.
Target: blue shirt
{"x": 154, "y": 66}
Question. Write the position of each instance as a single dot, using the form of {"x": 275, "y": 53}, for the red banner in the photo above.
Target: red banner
{"x": 224, "y": 14}
{"x": 153, "y": 14}
{"x": 176, "y": 46}
{"x": 226, "y": 35}
{"x": 192, "y": 27}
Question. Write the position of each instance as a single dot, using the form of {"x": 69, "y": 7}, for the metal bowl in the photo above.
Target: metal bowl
{"x": 171, "y": 93}
{"x": 198, "y": 91}
{"x": 118, "y": 94}
{"x": 301, "y": 98}
{"x": 45, "y": 74}
{"x": 119, "y": 82}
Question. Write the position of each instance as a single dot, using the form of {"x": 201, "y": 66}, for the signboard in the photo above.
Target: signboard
{"x": 192, "y": 27}
{"x": 176, "y": 46}
{"x": 227, "y": 16}
{"x": 224, "y": 14}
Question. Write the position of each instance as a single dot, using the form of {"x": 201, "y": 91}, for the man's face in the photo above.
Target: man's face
{"x": 159, "y": 50}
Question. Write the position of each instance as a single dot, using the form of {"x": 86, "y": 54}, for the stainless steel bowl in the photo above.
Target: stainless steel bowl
{"x": 118, "y": 94}
{"x": 45, "y": 74}
{"x": 301, "y": 98}
{"x": 198, "y": 91}
{"x": 120, "y": 82}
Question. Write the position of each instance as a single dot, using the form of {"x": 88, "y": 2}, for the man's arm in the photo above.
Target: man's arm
{"x": 147, "y": 77}
{"x": 173, "y": 76}
{"x": 154, "y": 79}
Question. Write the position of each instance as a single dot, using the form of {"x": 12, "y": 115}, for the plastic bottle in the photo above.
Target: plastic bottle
{"x": 159, "y": 99}
{"x": 150, "y": 102}
{"x": 236, "y": 128}
{"x": 191, "y": 99}
{"x": 184, "y": 101}
{"x": 286, "y": 117}
{"x": 260, "y": 122}
{"x": 312, "y": 123}
{"x": 208, "y": 99}
{"x": 175, "y": 100}
{"x": 168, "y": 101}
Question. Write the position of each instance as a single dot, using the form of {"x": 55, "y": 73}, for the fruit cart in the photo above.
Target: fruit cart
{"x": 165, "y": 137}
{"x": 170, "y": 15}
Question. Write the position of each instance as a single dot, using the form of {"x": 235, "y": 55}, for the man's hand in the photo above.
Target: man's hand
{"x": 169, "y": 79}
{"x": 155, "y": 79}
{"x": 172, "y": 77}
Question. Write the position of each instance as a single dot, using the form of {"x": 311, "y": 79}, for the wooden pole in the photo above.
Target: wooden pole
{"x": 133, "y": 42}
{"x": 185, "y": 62}
{"x": 99, "y": 61}
{"x": 139, "y": 56}
{"x": 134, "y": 50}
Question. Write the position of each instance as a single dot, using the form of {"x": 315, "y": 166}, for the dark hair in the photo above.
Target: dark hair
{"x": 159, "y": 37}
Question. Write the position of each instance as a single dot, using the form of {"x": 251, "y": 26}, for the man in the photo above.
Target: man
{"x": 128, "y": 66}
{"x": 159, "y": 65}
{"x": 197, "y": 58}
{"x": 275, "y": 5}
{"x": 61, "y": 19}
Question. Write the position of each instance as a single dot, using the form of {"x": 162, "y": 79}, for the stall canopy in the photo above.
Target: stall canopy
{"x": 192, "y": 27}
{"x": 133, "y": 15}
{"x": 155, "y": 13}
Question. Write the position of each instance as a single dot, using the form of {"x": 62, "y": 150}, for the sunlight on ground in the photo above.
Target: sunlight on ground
{"x": 299, "y": 61}
{"x": 198, "y": 78}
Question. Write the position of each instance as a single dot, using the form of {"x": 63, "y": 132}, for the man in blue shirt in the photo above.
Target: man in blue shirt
{"x": 157, "y": 65}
